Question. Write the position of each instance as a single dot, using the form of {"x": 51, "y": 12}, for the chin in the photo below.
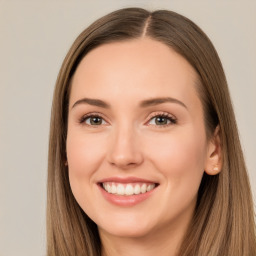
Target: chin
{"x": 128, "y": 228}
{"x": 127, "y": 232}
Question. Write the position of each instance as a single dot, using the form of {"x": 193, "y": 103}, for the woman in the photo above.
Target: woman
{"x": 144, "y": 153}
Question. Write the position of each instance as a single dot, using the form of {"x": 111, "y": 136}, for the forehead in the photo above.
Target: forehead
{"x": 141, "y": 67}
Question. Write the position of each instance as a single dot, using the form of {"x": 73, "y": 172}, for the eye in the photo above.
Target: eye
{"x": 93, "y": 120}
{"x": 162, "y": 120}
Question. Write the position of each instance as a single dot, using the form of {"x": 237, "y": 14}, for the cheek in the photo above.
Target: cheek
{"x": 84, "y": 153}
{"x": 180, "y": 158}
{"x": 180, "y": 154}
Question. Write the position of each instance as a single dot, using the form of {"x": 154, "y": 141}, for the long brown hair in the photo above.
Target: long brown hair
{"x": 223, "y": 223}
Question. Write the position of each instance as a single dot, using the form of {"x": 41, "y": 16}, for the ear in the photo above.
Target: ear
{"x": 213, "y": 163}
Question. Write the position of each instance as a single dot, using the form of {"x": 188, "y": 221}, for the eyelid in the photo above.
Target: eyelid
{"x": 172, "y": 118}
{"x": 92, "y": 114}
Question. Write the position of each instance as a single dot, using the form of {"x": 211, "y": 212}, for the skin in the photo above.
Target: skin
{"x": 129, "y": 142}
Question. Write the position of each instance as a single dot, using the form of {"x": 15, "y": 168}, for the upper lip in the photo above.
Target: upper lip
{"x": 126, "y": 180}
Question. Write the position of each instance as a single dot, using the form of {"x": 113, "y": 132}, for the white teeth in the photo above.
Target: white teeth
{"x": 150, "y": 187}
{"x": 127, "y": 189}
{"x": 109, "y": 188}
{"x": 143, "y": 189}
{"x": 120, "y": 189}
{"x": 113, "y": 189}
{"x": 137, "y": 189}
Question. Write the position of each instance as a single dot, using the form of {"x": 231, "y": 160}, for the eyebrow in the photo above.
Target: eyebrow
{"x": 93, "y": 102}
{"x": 157, "y": 101}
{"x": 143, "y": 104}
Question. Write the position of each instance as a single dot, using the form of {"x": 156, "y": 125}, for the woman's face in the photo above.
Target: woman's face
{"x": 136, "y": 142}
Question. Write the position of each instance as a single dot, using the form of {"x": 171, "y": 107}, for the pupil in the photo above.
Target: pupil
{"x": 96, "y": 120}
{"x": 161, "y": 120}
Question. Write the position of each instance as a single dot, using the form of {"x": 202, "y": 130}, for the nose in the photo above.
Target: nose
{"x": 124, "y": 151}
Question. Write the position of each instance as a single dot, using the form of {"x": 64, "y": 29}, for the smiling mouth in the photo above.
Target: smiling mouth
{"x": 127, "y": 189}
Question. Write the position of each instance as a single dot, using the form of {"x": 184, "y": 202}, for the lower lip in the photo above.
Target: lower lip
{"x": 125, "y": 200}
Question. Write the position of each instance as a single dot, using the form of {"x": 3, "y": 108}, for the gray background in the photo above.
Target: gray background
{"x": 34, "y": 38}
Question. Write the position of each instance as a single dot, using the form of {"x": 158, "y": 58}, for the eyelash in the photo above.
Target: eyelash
{"x": 172, "y": 120}
{"x": 90, "y": 115}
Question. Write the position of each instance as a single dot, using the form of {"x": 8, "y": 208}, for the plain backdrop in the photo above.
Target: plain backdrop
{"x": 34, "y": 38}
